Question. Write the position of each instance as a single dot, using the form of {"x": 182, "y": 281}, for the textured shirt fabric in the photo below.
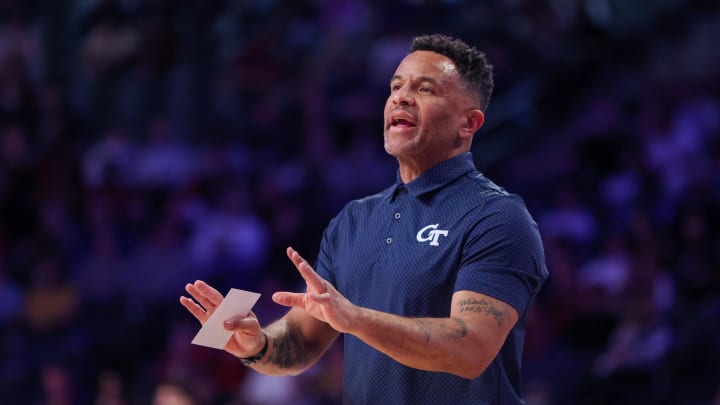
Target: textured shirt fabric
{"x": 407, "y": 249}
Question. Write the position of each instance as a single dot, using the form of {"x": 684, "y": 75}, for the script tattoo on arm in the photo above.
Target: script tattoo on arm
{"x": 428, "y": 325}
{"x": 481, "y": 306}
{"x": 289, "y": 350}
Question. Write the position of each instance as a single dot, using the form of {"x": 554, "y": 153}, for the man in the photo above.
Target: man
{"x": 430, "y": 280}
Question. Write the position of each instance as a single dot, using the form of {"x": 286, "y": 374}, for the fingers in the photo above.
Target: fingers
{"x": 289, "y": 299}
{"x": 205, "y": 295}
{"x": 206, "y": 299}
{"x": 195, "y": 309}
{"x": 314, "y": 282}
{"x": 298, "y": 299}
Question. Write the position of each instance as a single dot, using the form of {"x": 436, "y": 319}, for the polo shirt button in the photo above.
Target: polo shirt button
{"x": 388, "y": 241}
{"x": 397, "y": 215}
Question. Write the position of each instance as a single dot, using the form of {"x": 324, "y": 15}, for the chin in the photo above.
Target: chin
{"x": 392, "y": 148}
{"x": 395, "y": 145}
{"x": 399, "y": 151}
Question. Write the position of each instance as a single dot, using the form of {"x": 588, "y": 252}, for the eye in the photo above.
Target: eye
{"x": 425, "y": 89}
{"x": 395, "y": 86}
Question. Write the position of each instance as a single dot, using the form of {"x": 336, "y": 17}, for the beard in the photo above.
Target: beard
{"x": 402, "y": 145}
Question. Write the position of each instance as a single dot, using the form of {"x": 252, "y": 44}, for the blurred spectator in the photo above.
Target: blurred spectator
{"x": 260, "y": 389}
{"x": 56, "y": 386}
{"x": 229, "y": 240}
{"x": 608, "y": 271}
{"x": 11, "y": 298}
{"x": 110, "y": 389}
{"x": 172, "y": 394}
{"x": 111, "y": 160}
{"x": 111, "y": 39}
{"x": 164, "y": 161}
{"x": 154, "y": 273}
{"x": 52, "y": 300}
{"x": 642, "y": 338}
{"x": 101, "y": 273}
{"x": 569, "y": 219}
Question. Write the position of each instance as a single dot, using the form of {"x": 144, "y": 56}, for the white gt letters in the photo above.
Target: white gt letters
{"x": 432, "y": 234}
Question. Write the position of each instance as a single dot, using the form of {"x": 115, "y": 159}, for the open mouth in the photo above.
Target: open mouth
{"x": 401, "y": 123}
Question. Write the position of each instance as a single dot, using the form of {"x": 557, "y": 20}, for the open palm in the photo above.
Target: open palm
{"x": 247, "y": 337}
{"x": 321, "y": 300}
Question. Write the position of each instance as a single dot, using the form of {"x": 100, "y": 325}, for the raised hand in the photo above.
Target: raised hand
{"x": 321, "y": 299}
{"x": 247, "y": 339}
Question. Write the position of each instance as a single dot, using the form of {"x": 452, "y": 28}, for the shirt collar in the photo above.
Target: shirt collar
{"x": 435, "y": 177}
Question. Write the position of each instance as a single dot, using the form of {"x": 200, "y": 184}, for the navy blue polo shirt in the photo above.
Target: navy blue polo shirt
{"x": 407, "y": 249}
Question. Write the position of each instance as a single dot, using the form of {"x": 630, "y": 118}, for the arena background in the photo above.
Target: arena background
{"x": 144, "y": 144}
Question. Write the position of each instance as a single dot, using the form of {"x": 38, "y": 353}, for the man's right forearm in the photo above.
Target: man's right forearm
{"x": 290, "y": 351}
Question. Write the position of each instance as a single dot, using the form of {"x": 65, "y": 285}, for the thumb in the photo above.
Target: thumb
{"x": 289, "y": 299}
{"x": 245, "y": 324}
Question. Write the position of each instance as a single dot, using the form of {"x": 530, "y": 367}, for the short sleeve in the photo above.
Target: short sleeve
{"x": 503, "y": 255}
{"x": 323, "y": 265}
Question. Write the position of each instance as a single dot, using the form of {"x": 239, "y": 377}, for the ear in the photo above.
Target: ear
{"x": 473, "y": 120}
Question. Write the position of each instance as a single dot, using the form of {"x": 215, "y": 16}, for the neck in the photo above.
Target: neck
{"x": 410, "y": 169}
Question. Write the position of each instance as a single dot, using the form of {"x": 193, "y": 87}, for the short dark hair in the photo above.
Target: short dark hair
{"x": 475, "y": 70}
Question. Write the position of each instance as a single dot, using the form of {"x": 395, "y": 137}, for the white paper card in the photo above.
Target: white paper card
{"x": 236, "y": 303}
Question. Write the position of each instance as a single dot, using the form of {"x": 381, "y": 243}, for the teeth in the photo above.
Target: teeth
{"x": 396, "y": 121}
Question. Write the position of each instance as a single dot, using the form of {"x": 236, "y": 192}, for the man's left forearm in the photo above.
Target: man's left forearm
{"x": 433, "y": 344}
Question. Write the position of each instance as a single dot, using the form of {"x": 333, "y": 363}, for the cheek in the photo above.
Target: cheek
{"x": 388, "y": 106}
{"x": 438, "y": 120}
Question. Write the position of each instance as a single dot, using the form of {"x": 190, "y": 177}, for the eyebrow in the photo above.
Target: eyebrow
{"x": 418, "y": 79}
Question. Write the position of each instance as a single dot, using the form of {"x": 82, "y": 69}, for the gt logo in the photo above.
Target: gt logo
{"x": 432, "y": 234}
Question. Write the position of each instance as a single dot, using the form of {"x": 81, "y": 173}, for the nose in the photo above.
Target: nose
{"x": 402, "y": 96}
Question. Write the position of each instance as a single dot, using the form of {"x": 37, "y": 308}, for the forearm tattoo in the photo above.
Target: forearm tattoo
{"x": 482, "y": 306}
{"x": 461, "y": 330}
{"x": 290, "y": 348}
{"x": 428, "y": 325}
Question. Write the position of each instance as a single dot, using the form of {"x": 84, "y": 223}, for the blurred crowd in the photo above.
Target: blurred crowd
{"x": 148, "y": 143}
